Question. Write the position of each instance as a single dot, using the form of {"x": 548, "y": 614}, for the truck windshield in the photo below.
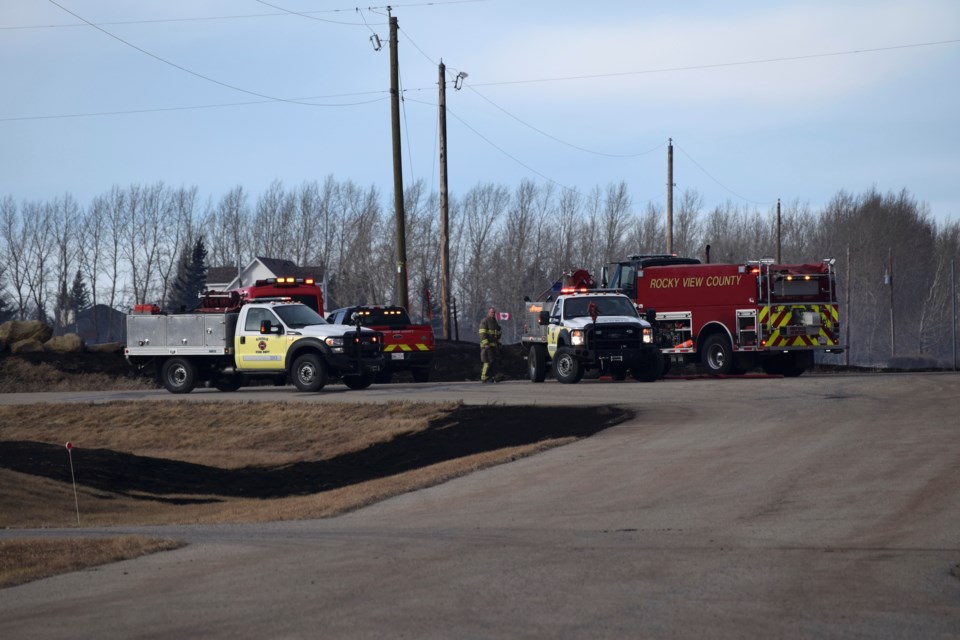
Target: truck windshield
{"x": 606, "y": 306}
{"x": 297, "y": 316}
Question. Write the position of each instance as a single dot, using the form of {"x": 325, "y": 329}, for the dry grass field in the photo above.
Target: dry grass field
{"x": 179, "y": 462}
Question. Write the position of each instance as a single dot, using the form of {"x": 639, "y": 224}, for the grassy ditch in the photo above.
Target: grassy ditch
{"x": 182, "y": 462}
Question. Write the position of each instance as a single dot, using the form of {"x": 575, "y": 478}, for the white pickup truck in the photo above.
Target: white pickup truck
{"x": 591, "y": 332}
{"x": 276, "y": 340}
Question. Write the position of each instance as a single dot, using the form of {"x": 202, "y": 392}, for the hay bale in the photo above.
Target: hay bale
{"x": 67, "y": 343}
{"x": 26, "y": 346}
{"x": 13, "y": 331}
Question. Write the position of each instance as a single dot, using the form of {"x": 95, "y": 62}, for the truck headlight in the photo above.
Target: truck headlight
{"x": 647, "y": 335}
{"x": 576, "y": 337}
{"x": 335, "y": 344}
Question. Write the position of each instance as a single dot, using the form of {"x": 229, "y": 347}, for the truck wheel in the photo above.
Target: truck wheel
{"x": 802, "y": 360}
{"x": 358, "y": 382}
{"x": 537, "y": 364}
{"x": 178, "y": 375}
{"x": 566, "y": 368}
{"x": 650, "y": 369}
{"x": 228, "y": 383}
{"x": 773, "y": 365}
{"x": 717, "y": 355}
{"x": 667, "y": 365}
{"x": 789, "y": 365}
{"x": 309, "y": 373}
{"x": 421, "y": 375}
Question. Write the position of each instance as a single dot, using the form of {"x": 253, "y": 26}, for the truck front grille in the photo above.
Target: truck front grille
{"x": 363, "y": 345}
{"x": 617, "y": 337}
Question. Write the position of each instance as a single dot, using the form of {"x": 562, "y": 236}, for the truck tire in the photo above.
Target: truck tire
{"x": 178, "y": 375}
{"x": 537, "y": 363}
{"x": 788, "y": 365}
{"x": 717, "y": 355}
{"x": 802, "y": 360}
{"x": 566, "y": 368}
{"x": 309, "y": 372}
{"x": 358, "y": 382}
{"x": 650, "y": 369}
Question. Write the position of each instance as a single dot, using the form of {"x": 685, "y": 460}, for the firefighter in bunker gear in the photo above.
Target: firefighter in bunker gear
{"x": 490, "y": 347}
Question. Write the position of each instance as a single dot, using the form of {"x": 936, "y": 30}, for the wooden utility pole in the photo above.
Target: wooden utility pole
{"x": 953, "y": 304}
{"x": 847, "y": 312}
{"x": 403, "y": 297}
{"x": 779, "y": 259}
{"x": 669, "y": 196}
{"x": 893, "y": 333}
{"x": 444, "y": 209}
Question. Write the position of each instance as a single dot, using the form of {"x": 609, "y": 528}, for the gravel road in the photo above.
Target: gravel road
{"x": 823, "y": 507}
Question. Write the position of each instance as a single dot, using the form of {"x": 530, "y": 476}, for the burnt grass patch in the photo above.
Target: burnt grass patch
{"x": 467, "y": 431}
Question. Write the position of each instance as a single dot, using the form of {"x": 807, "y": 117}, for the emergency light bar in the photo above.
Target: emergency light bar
{"x": 284, "y": 280}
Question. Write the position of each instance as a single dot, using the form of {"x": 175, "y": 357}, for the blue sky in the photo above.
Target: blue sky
{"x": 763, "y": 100}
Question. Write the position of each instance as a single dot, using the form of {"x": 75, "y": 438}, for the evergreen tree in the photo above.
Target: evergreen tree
{"x": 6, "y": 311}
{"x": 191, "y": 277}
{"x": 79, "y": 294}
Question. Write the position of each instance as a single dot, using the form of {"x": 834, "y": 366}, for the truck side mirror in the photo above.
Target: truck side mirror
{"x": 544, "y": 318}
{"x": 651, "y": 315}
{"x": 268, "y": 327}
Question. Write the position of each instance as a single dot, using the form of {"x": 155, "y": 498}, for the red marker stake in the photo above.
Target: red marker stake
{"x": 75, "y": 500}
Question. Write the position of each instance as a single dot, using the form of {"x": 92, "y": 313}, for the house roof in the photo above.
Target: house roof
{"x": 218, "y": 275}
{"x": 280, "y": 267}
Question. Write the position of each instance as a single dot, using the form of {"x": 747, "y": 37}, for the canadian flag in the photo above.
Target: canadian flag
{"x": 503, "y": 315}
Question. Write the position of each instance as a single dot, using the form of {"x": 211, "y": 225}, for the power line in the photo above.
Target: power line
{"x": 283, "y": 12}
{"x": 718, "y": 65}
{"x": 306, "y": 14}
{"x": 564, "y": 142}
{"x": 301, "y": 101}
{"x": 173, "y": 64}
{"x": 707, "y": 173}
{"x": 498, "y": 148}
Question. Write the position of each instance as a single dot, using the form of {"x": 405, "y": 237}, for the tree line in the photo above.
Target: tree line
{"x": 152, "y": 244}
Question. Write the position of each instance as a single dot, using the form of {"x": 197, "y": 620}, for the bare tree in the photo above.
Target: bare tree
{"x": 647, "y": 234}
{"x": 616, "y": 219}
{"x": 177, "y": 231}
{"x": 64, "y": 218}
{"x": 481, "y": 209}
{"x": 16, "y": 256}
{"x": 228, "y": 230}
{"x": 39, "y": 234}
{"x": 686, "y": 237}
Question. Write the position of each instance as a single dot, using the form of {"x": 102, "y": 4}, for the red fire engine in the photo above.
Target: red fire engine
{"x": 733, "y": 317}
{"x": 303, "y": 290}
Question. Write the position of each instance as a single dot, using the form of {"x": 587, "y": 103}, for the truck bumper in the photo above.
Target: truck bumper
{"x": 405, "y": 360}
{"x": 605, "y": 358}
{"x": 346, "y": 365}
